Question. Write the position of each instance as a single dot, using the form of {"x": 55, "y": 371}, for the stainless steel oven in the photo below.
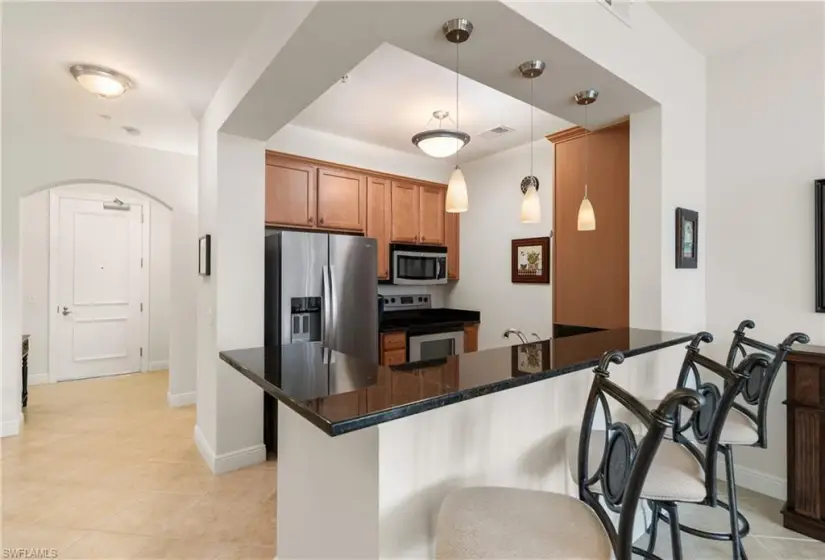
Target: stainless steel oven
{"x": 418, "y": 265}
{"x": 432, "y": 346}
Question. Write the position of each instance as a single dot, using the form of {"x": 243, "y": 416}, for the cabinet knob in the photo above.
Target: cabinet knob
{"x": 309, "y": 220}
{"x": 423, "y": 238}
{"x": 321, "y": 221}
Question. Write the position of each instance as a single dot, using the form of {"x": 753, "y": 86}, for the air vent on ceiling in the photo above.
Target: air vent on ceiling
{"x": 495, "y": 132}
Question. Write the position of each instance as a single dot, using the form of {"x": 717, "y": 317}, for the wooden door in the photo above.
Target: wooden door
{"x": 453, "y": 238}
{"x": 342, "y": 199}
{"x": 471, "y": 338}
{"x": 405, "y": 212}
{"x": 290, "y": 193}
{"x": 378, "y": 221}
{"x": 591, "y": 269}
{"x": 431, "y": 215}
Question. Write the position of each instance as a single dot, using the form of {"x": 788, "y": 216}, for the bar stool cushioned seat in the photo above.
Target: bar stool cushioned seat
{"x": 495, "y": 523}
{"x": 675, "y": 474}
{"x": 738, "y": 428}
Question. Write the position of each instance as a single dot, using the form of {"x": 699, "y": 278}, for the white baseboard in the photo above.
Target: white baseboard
{"x": 39, "y": 379}
{"x": 232, "y": 461}
{"x": 10, "y": 427}
{"x": 158, "y": 365}
{"x": 181, "y": 399}
{"x": 764, "y": 483}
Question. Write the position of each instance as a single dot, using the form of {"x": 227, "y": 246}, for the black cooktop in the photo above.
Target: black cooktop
{"x": 417, "y": 319}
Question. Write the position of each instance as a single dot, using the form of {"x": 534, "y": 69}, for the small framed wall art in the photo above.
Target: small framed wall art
{"x": 530, "y": 260}
{"x": 819, "y": 242}
{"x": 205, "y": 255}
{"x": 687, "y": 238}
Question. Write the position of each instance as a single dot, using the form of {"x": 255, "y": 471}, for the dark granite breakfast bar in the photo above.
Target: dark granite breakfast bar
{"x": 340, "y": 393}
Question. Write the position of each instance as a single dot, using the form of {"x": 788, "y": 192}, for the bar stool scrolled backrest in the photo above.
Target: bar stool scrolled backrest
{"x": 757, "y": 390}
{"x": 624, "y": 464}
{"x": 707, "y": 421}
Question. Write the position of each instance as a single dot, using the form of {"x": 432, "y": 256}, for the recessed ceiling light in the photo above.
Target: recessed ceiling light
{"x": 131, "y": 130}
{"x": 101, "y": 81}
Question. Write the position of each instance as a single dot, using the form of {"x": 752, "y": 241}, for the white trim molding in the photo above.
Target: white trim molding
{"x": 232, "y": 461}
{"x": 181, "y": 399}
{"x": 39, "y": 379}
{"x": 10, "y": 427}
{"x": 159, "y": 365}
{"x": 763, "y": 483}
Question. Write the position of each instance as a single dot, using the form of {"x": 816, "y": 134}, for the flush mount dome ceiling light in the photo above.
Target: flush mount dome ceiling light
{"x": 103, "y": 82}
{"x": 440, "y": 142}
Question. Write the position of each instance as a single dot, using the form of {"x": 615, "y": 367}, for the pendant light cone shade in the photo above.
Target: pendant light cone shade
{"x": 530, "y": 207}
{"x": 457, "y": 200}
{"x": 587, "y": 217}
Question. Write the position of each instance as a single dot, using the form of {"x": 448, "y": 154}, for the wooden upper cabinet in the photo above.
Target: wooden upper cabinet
{"x": 342, "y": 199}
{"x": 290, "y": 192}
{"x": 378, "y": 221}
{"x": 432, "y": 202}
{"x": 453, "y": 236}
{"x": 405, "y": 212}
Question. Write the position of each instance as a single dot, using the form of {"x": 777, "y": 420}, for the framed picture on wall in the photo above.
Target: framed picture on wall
{"x": 530, "y": 260}
{"x": 819, "y": 236}
{"x": 205, "y": 255}
{"x": 687, "y": 238}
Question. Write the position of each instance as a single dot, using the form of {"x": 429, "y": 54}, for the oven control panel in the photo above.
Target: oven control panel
{"x": 411, "y": 301}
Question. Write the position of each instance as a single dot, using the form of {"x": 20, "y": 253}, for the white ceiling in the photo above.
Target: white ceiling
{"x": 391, "y": 95}
{"x": 713, "y": 26}
{"x": 177, "y": 53}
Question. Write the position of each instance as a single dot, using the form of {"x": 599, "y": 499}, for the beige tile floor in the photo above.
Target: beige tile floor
{"x": 105, "y": 469}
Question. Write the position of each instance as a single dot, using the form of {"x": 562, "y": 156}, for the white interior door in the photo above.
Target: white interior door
{"x": 98, "y": 289}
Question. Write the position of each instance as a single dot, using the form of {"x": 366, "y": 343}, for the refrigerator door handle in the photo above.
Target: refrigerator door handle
{"x": 326, "y": 294}
{"x": 333, "y": 304}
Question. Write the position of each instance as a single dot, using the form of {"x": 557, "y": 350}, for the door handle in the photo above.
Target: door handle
{"x": 326, "y": 296}
{"x": 66, "y": 311}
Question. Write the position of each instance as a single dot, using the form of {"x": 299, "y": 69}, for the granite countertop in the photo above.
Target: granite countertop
{"x": 340, "y": 393}
{"x": 424, "y": 319}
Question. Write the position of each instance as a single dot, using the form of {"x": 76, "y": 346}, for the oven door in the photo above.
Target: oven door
{"x": 413, "y": 268}
{"x": 435, "y": 346}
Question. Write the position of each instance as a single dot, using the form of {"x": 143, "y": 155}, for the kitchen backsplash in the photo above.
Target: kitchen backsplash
{"x": 437, "y": 293}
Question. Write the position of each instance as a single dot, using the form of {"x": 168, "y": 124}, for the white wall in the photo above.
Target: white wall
{"x": 37, "y": 160}
{"x": 304, "y": 142}
{"x": 486, "y": 232}
{"x": 34, "y": 269}
{"x": 766, "y": 145}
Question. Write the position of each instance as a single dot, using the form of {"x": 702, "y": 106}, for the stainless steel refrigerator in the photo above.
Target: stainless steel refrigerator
{"x": 319, "y": 288}
{"x": 322, "y": 287}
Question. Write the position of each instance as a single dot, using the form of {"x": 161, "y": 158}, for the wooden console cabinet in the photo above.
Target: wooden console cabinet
{"x": 804, "y": 510}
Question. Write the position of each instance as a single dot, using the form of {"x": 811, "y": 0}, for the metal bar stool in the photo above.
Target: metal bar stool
{"x": 515, "y": 523}
{"x": 681, "y": 473}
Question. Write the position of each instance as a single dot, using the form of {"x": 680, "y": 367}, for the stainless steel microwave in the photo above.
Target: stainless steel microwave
{"x": 413, "y": 265}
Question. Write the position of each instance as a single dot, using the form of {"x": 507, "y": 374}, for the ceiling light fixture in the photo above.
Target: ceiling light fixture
{"x": 440, "y": 142}
{"x": 530, "y": 204}
{"x": 457, "y": 31}
{"x": 587, "y": 216}
{"x": 103, "y": 82}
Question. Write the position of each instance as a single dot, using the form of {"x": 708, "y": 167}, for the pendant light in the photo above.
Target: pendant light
{"x": 587, "y": 216}
{"x": 440, "y": 142}
{"x": 530, "y": 204}
{"x": 457, "y": 31}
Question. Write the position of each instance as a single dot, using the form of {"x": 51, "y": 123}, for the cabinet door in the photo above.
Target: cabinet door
{"x": 378, "y": 221}
{"x": 451, "y": 227}
{"x": 432, "y": 202}
{"x": 342, "y": 199}
{"x": 394, "y": 357}
{"x": 404, "y": 212}
{"x": 471, "y": 338}
{"x": 290, "y": 193}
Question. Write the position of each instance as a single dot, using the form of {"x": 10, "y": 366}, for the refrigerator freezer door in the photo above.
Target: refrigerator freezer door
{"x": 303, "y": 258}
{"x": 353, "y": 328}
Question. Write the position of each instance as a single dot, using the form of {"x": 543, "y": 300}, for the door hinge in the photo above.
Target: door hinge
{"x": 141, "y": 307}
{"x": 141, "y": 262}
{"x": 141, "y": 351}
